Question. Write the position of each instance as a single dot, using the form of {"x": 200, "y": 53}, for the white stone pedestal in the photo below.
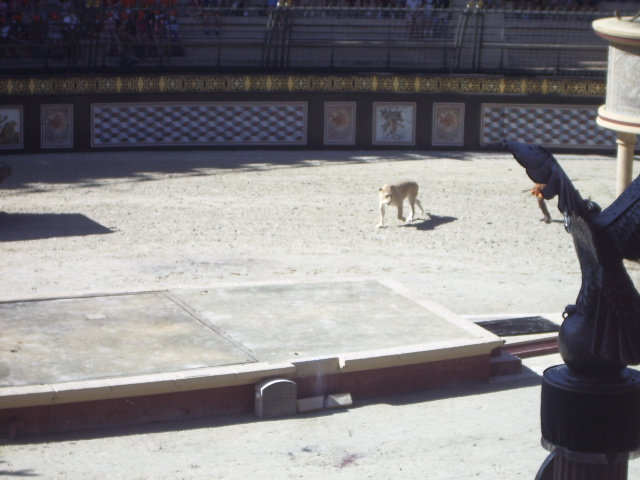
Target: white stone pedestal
{"x": 622, "y": 109}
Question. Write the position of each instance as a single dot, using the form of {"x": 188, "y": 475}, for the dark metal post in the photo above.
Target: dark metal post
{"x": 590, "y": 406}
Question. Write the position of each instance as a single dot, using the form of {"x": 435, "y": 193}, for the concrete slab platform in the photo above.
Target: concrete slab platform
{"x": 141, "y": 357}
{"x": 290, "y": 321}
{"x": 73, "y": 339}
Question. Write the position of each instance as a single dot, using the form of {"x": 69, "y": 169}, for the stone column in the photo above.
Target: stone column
{"x": 626, "y": 146}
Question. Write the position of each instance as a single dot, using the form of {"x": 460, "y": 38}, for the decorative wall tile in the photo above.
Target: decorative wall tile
{"x": 56, "y": 126}
{"x": 448, "y": 124}
{"x": 203, "y": 83}
{"x": 209, "y": 123}
{"x": 11, "y": 127}
{"x": 394, "y": 123}
{"x": 339, "y": 123}
{"x": 249, "y": 123}
{"x": 550, "y": 125}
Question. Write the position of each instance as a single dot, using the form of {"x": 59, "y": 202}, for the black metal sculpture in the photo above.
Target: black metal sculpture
{"x": 601, "y": 332}
{"x": 590, "y": 407}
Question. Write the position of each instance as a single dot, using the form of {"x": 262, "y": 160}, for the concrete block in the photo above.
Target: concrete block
{"x": 504, "y": 364}
{"x": 338, "y": 400}
{"x": 276, "y": 398}
{"x": 310, "y": 404}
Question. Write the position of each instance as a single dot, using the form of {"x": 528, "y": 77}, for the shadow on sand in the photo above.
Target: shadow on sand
{"x": 36, "y": 226}
{"x": 430, "y": 223}
{"x": 89, "y": 169}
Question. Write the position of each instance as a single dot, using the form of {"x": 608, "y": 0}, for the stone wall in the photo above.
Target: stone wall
{"x": 211, "y": 111}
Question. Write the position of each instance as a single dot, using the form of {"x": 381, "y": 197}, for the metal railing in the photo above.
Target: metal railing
{"x": 324, "y": 39}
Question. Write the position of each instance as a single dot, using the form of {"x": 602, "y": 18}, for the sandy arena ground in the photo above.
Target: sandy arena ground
{"x": 75, "y": 224}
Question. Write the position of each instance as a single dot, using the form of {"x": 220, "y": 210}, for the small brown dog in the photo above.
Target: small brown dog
{"x": 395, "y": 195}
{"x": 537, "y": 192}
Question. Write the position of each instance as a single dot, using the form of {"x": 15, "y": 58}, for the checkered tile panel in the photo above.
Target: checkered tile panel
{"x": 238, "y": 123}
{"x": 549, "y": 125}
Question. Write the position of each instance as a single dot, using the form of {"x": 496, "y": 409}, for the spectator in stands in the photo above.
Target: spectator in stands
{"x": 36, "y": 36}
{"x": 54, "y": 35}
{"x": 70, "y": 35}
{"x": 217, "y": 21}
{"x": 18, "y": 34}
{"x": 414, "y": 17}
{"x": 172, "y": 25}
{"x": 70, "y": 24}
{"x": 65, "y": 6}
{"x": 126, "y": 33}
{"x": 142, "y": 36}
{"x": 428, "y": 19}
{"x": 157, "y": 29}
{"x": 197, "y": 9}
{"x": 4, "y": 37}
{"x": 441, "y": 18}
{"x": 110, "y": 35}
{"x": 238, "y": 8}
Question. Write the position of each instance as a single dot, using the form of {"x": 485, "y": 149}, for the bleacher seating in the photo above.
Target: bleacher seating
{"x": 464, "y": 37}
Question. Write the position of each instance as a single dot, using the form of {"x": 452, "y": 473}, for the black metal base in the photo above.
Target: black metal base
{"x": 565, "y": 465}
{"x": 591, "y": 415}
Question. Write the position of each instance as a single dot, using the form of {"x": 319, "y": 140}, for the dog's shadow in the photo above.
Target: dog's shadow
{"x": 430, "y": 223}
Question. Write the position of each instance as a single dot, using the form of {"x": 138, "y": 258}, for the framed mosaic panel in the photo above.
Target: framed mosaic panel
{"x": 339, "y": 123}
{"x": 557, "y": 126}
{"x": 11, "y": 127}
{"x": 448, "y": 124}
{"x": 56, "y": 126}
{"x": 198, "y": 123}
{"x": 394, "y": 123}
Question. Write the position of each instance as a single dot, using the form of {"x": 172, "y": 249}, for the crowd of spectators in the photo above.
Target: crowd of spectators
{"x": 141, "y": 28}
{"x": 126, "y": 28}
{"x": 540, "y": 4}
{"x": 430, "y": 4}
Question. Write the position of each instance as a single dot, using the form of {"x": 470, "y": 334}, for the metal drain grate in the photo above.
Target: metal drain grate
{"x": 519, "y": 326}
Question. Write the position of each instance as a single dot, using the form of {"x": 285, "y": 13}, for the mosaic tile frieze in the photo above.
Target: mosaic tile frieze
{"x": 550, "y": 125}
{"x": 212, "y": 83}
{"x": 213, "y": 123}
